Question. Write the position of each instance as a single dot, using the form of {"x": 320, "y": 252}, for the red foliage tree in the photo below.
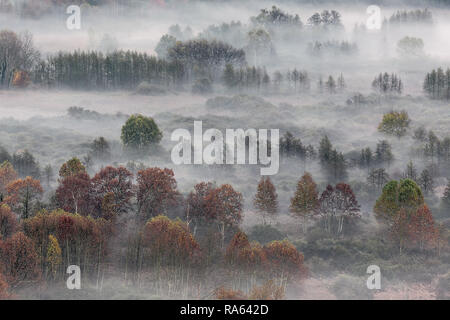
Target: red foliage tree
{"x": 73, "y": 193}
{"x": 112, "y": 189}
{"x": 337, "y": 206}
{"x": 8, "y": 222}
{"x": 22, "y": 194}
{"x": 19, "y": 258}
{"x": 157, "y": 191}
{"x": 422, "y": 228}
{"x": 224, "y": 205}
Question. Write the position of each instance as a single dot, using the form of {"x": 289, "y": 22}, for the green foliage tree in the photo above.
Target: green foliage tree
{"x": 404, "y": 194}
{"x": 140, "y": 132}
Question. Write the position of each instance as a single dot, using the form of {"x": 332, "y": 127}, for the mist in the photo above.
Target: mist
{"x": 321, "y": 81}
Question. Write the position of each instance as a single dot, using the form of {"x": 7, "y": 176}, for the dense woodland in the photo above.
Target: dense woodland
{"x": 128, "y": 223}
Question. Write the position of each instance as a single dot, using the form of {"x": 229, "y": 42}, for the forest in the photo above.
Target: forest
{"x": 87, "y": 176}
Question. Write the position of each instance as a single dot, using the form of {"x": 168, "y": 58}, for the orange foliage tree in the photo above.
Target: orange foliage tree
{"x": 169, "y": 242}
{"x": 8, "y": 222}
{"x": 416, "y": 228}
{"x": 23, "y": 194}
{"x": 19, "y": 258}
{"x": 83, "y": 240}
{"x": 278, "y": 258}
{"x": 21, "y": 79}
{"x": 7, "y": 175}
{"x": 305, "y": 203}
{"x": 266, "y": 198}
{"x": 284, "y": 259}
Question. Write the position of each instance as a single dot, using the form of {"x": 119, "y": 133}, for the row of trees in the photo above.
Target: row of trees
{"x": 116, "y": 70}
{"x": 437, "y": 84}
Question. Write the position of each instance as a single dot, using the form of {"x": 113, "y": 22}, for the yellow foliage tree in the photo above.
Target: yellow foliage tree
{"x": 54, "y": 258}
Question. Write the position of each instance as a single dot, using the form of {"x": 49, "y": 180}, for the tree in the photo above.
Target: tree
{"x": 140, "y": 132}
{"x": 338, "y": 206}
{"x": 259, "y": 44}
{"x": 7, "y": 175}
{"x": 411, "y": 172}
{"x": 71, "y": 167}
{"x": 156, "y": 192}
{"x": 325, "y": 150}
{"x": 169, "y": 242}
{"x": 331, "y": 85}
{"x": 4, "y": 294}
{"x": 19, "y": 259}
{"x": 400, "y": 228}
{"x": 224, "y": 205}
{"x": 284, "y": 259}
{"x": 422, "y": 227}
{"x": 116, "y": 185}
{"x": 383, "y": 152}
{"x": 387, "y": 84}
{"x": 73, "y": 193}
{"x": 395, "y": 123}
{"x": 25, "y": 164}
{"x": 23, "y": 194}
{"x": 445, "y": 201}
{"x": 8, "y": 222}
{"x": 410, "y": 46}
{"x": 266, "y": 198}
{"x": 53, "y": 258}
{"x": 164, "y": 45}
{"x": 341, "y": 83}
{"x": 17, "y": 54}
{"x": 100, "y": 149}
{"x": 48, "y": 174}
{"x": 404, "y": 194}
{"x": 305, "y": 203}
{"x": 426, "y": 181}
{"x": 378, "y": 178}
